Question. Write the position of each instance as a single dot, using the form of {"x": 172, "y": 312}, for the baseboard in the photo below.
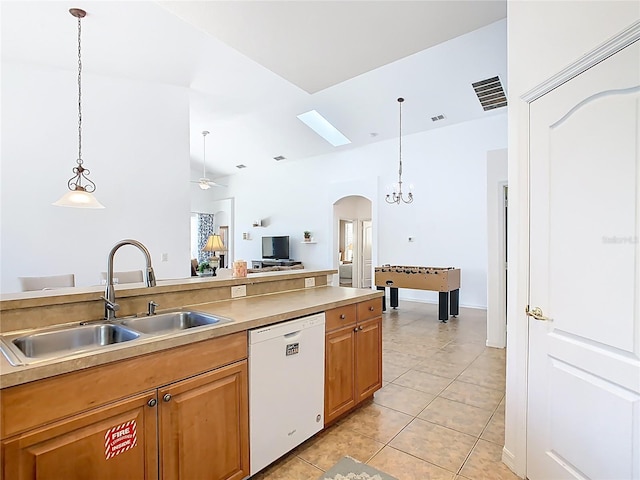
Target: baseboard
{"x": 435, "y": 302}
{"x": 494, "y": 344}
{"x": 509, "y": 460}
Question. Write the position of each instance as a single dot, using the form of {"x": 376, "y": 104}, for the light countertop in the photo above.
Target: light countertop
{"x": 246, "y": 313}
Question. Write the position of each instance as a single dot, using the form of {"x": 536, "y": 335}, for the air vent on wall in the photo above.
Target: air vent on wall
{"x": 490, "y": 93}
{"x": 241, "y": 166}
{"x": 278, "y": 158}
{"x": 437, "y": 118}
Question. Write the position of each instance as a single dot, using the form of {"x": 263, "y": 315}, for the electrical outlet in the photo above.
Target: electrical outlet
{"x": 309, "y": 282}
{"x": 239, "y": 291}
{"x": 165, "y": 257}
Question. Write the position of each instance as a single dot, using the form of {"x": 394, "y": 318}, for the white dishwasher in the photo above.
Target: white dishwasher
{"x": 286, "y": 387}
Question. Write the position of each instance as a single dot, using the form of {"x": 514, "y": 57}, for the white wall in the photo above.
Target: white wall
{"x": 543, "y": 38}
{"x": 136, "y": 145}
{"x": 447, "y": 218}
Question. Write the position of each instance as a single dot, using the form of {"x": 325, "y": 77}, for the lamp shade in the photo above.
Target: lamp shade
{"x": 78, "y": 199}
{"x": 214, "y": 244}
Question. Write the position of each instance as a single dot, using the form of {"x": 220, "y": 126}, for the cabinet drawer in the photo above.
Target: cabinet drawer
{"x": 340, "y": 317}
{"x": 369, "y": 309}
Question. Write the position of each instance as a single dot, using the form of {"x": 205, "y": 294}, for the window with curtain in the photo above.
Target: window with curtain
{"x": 201, "y": 227}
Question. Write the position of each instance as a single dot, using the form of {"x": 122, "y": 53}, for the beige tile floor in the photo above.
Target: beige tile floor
{"x": 439, "y": 415}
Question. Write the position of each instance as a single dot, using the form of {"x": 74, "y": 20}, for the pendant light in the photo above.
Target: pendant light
{"x": 397, "y": 197}
{"x": 80, "y": 194}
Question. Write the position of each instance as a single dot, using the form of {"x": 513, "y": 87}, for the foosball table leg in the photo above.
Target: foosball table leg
{"x": 393, "y": 294}
{"x": 384, "y": 298}
{"x": 454, "y": 302}
{"x": 443, "y": 306}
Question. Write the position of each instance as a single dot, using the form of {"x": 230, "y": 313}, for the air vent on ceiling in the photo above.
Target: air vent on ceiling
{"x": 241, "y": 166}
{"x": 279, "y": 158}
{"x": 437, "y": 118}
{"x": 490, "y": 93}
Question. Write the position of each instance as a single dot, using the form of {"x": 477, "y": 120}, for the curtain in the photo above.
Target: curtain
{"x": 206, "y": 227}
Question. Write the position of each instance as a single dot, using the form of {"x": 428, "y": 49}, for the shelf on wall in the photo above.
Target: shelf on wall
{"x": 312, "y": 241}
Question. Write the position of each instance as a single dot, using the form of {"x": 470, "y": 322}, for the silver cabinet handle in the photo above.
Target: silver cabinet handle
{"x": 343, "y": 316}
{"x": 167, "y": 397}
{"x": 152, "y": 402}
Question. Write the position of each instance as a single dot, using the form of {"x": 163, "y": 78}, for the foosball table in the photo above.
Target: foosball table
{"x": 445, "y": 280}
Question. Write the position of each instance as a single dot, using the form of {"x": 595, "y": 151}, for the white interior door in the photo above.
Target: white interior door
{"x": 584, "y": 369}
{"x": 367, "y": 266}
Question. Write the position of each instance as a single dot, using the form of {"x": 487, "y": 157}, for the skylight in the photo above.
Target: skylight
{"x": 322, "y": 127}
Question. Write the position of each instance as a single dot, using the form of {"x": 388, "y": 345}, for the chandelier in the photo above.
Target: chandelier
{"x": 397, "y": 196}
{"x": 80, "y": 194}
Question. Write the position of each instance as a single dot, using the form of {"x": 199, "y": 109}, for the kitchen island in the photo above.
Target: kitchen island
{"x": 185, "y": 394}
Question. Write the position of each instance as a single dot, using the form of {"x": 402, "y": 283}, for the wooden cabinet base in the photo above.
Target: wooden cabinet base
{"x": 83, "y": 447}
{"x": 190, "y": 422}
{"x": 353, "y": 357}
{"x": 204, "y": 425}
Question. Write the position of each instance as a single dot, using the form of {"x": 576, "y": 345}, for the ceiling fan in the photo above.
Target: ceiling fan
{"x": 204, "y": 183}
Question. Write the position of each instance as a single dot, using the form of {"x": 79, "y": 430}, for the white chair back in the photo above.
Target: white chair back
{"x": 30, "y": 284}
{"x": 131, "y": 276}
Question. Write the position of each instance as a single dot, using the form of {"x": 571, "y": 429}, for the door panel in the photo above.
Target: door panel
{"x": 204, "y": 422}
{"x": 368, "y": 358}
{"x": 367, "y": 243}
{"x": 339, "y": 357}
{"x": 77, "y": 448}
{"x": 584, "y": 363}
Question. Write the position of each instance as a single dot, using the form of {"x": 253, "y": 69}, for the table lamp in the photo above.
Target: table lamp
{"x": 214, "y": 244}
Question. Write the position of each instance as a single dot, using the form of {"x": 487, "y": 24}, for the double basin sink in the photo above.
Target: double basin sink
{"x": 47, "y": 344}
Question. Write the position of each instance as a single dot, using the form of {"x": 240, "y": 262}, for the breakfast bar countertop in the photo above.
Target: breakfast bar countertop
{"x": 246, "y": 313}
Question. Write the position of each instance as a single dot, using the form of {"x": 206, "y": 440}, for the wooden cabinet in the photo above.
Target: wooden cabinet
{"x": 204, "y": 426}
{"x": 353, "y": 356}
{"x": 193, "y": 417}
{"x": 77, "y": 449}
{"x": 339, "y": 389}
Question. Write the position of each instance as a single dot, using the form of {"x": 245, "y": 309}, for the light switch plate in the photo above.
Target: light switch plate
{"x": 239, "y": 291}
{"x": 309, "y": 282}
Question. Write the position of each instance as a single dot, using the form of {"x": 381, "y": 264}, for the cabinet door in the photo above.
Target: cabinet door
{"x": 204, "y": 426}
{"x": 368, "y": 358}
{"x": 115, "y": 441}
{"x": 339, "y": 391}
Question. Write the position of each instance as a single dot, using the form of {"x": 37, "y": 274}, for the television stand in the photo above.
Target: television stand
{"x": 273, "y": 263}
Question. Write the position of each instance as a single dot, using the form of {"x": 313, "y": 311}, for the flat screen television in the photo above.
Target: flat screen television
{"x": 275, "y": 247}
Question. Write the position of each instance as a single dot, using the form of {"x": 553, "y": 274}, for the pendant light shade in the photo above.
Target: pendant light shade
{"x": 81, "y": 188}
{"x": 78, "y": 199}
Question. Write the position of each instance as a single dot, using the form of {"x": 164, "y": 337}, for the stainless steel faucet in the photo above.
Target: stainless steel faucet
{"x": 110, "y": 305}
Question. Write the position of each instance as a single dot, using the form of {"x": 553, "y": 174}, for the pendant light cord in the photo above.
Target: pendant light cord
{"x": 204, "y": 154}
{"x": 400, "y": 142}
{"x": 79, "y": 94}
